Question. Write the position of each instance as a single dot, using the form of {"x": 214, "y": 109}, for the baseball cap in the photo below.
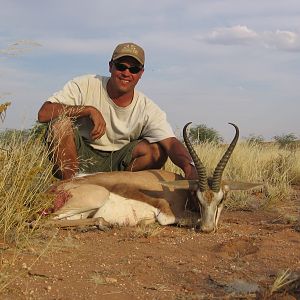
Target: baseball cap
{"x": 129, "y": 49}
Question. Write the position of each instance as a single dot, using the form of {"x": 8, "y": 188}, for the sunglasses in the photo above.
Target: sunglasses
{"x": 132, "y": 70}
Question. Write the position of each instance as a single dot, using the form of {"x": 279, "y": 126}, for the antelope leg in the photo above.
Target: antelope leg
{"x": 99, "y": 222}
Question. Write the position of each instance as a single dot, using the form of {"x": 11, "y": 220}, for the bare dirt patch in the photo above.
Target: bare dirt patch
{"x": 240, "y": 261}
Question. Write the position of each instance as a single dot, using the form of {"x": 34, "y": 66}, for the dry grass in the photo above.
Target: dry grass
{"x": 25, "y": 174}
{"x": 276, "y": 167}
{"x": 3, "y": 108}
{"x": 283, "y": 279}
{"x": 147, "y": 230}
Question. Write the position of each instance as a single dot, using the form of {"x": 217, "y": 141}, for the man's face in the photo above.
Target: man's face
{"x": 124, "y": 81}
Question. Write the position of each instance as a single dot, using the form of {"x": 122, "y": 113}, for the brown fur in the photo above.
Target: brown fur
{"x": 142, "y": 186}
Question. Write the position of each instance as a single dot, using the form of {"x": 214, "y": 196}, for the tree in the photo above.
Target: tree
{"x": 255, "y": 139}
{"x": 201, "y": 133}
{"x": 285, "y": 140}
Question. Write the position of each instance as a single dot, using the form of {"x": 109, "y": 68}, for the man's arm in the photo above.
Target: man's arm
{"x": 50, "y": 111}
{"x": 179, "y": 156}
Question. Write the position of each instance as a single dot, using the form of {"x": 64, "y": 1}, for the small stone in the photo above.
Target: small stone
{"x": 24, "y": 266}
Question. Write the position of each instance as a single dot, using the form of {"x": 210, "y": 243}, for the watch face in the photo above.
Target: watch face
{"x": 192, "y": 163}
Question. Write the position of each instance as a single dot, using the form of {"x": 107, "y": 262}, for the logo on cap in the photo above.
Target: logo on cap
{"x": 129, "y": 49}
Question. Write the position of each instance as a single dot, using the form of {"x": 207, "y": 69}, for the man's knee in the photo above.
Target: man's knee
{"x": 159, "y": 155}
{"x": 154, "y": 151}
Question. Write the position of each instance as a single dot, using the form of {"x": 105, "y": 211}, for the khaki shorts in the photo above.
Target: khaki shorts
{"x": 92, "y": 160}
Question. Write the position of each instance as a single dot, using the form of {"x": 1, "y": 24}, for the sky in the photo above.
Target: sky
{"x": 207, "y": 61}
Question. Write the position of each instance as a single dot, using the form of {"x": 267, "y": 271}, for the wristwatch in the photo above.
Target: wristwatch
{"x": 192, "y": 163}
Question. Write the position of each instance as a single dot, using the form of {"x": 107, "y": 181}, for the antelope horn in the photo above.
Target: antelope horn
{"x": 217, "y": 176}
{"x": 198, "y": 164}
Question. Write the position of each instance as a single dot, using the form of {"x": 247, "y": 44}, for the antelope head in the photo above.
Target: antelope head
{"x": 210, "y": 192}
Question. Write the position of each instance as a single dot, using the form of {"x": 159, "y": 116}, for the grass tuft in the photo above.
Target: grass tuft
{"x": 283, "y": 279}
{"x": 147, "y": 230}
{"x": 25, "y": 175}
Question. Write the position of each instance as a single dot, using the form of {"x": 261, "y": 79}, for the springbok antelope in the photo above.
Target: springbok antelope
{"x": 128, "y": 198}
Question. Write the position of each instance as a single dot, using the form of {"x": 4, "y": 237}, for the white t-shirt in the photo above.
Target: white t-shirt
{"x": 142, "y": 119}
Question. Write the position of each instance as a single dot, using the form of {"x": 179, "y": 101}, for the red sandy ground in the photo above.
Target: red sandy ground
{"x": 240, "y": 261}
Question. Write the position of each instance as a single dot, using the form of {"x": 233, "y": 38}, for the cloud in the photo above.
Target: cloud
{"x": 282, "y": 40}
{"x": 19, "y": 47}
{"x": 232, "y": 35}
{"x": 244, "y": 65}
{"x": 242, "y": 35}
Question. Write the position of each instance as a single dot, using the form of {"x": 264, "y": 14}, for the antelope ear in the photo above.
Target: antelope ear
{"x": 181, "y": 184}
{"x": 241, "y": 186}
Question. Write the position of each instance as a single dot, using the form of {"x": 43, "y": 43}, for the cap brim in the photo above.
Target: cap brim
{"x": 123, "y": 55}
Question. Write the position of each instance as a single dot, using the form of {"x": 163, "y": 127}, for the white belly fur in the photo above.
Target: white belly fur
{"x": 126, "y": 212}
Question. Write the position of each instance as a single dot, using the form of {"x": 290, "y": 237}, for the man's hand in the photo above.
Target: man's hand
{"x": 49, "y": 111}
{"x": 179, "y": 156}
{"x": 99, "y": 123}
